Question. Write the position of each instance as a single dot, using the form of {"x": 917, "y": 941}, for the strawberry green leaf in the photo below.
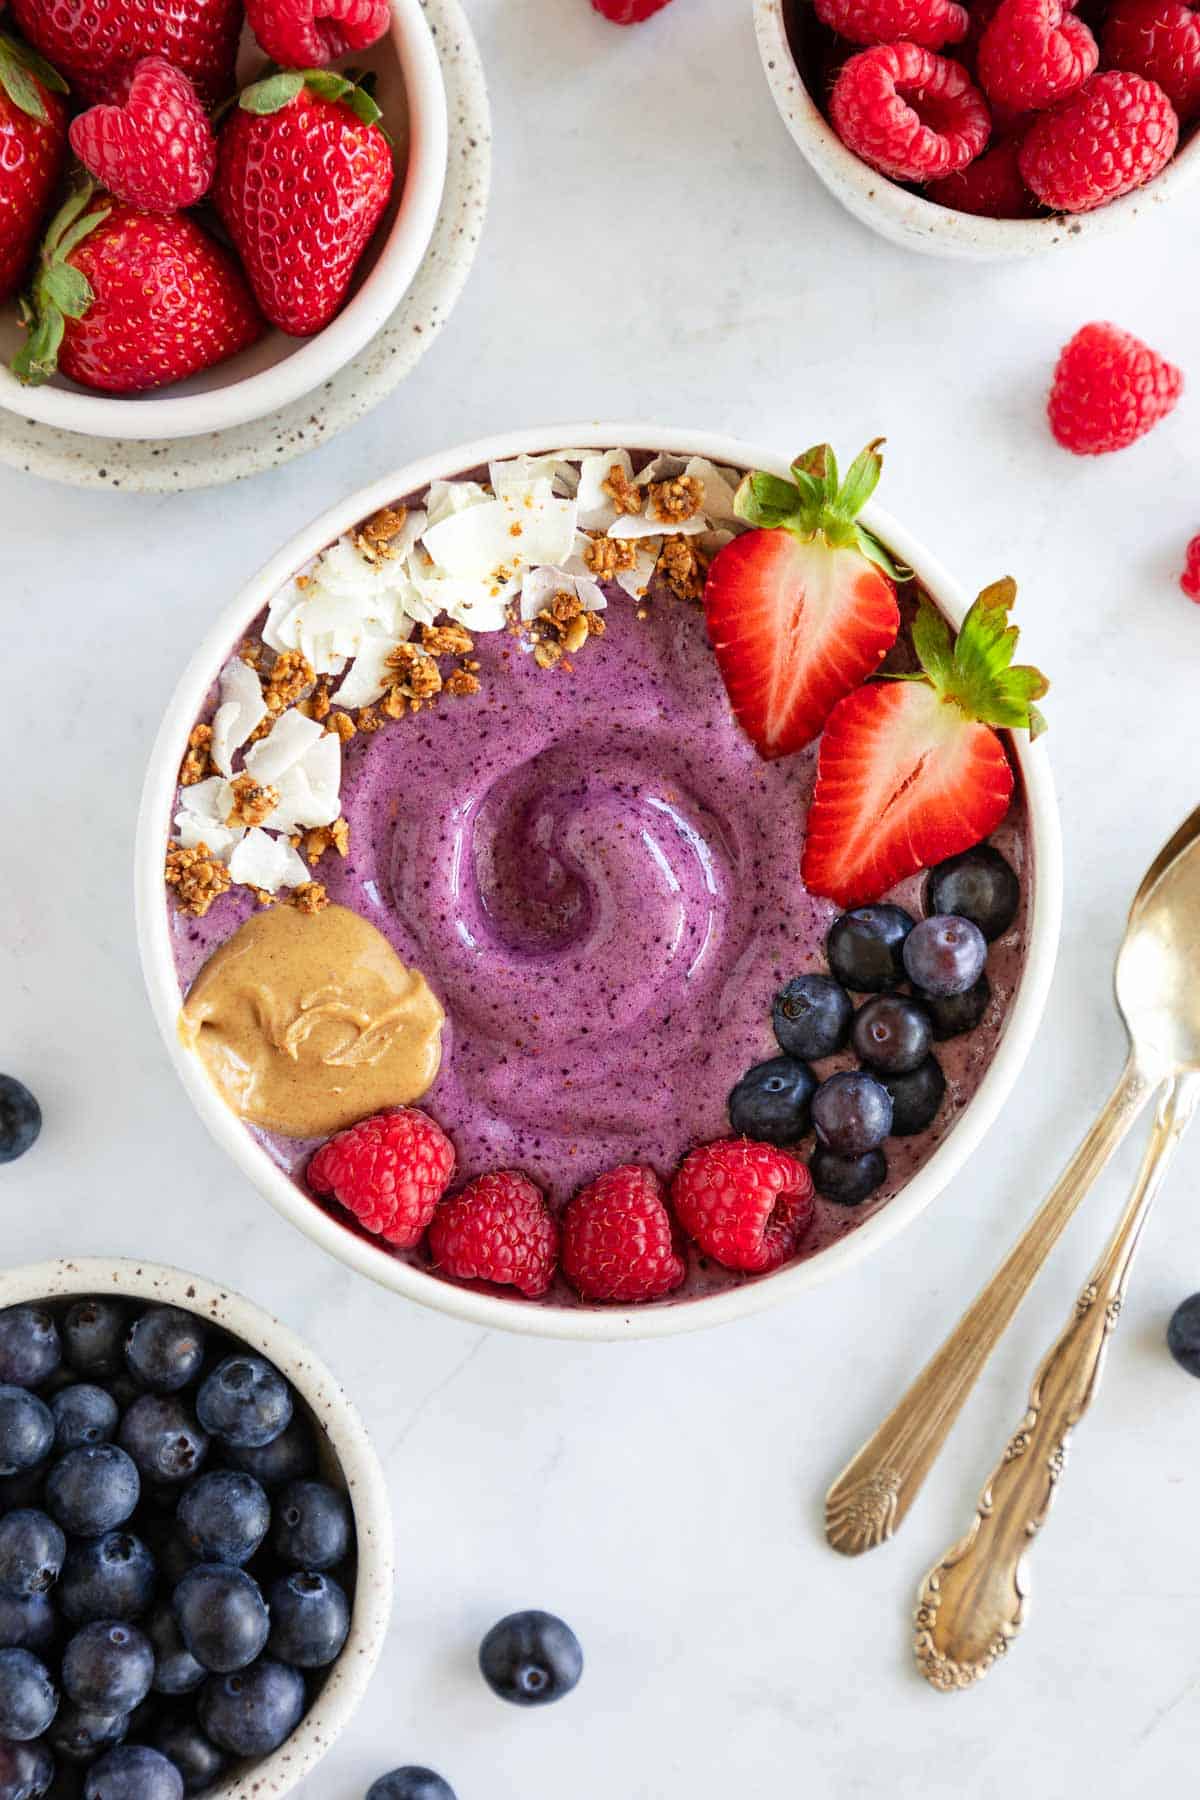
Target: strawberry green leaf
{"x": 327, "y": 84}
{"x": 58, "y": 291}
{"x": 37, "y": 359}
{"x": 67, "y": 289}
{"x": 862, "y": 478}
{"x": 363, "y": 106}
{"x": 272, "y": 94}
{"x": 976, "y": 672}
{"x": 933, "y": 643}
{"x": 20, "y": 71}
{"x": 764, "y": 500}
{"x": 812, "y": 504}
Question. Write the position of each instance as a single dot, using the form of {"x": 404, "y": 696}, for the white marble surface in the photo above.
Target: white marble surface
{"x": 656, "y": 247}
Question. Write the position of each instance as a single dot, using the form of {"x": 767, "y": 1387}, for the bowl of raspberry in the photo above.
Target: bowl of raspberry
{"x": 211, "y": 211}
{"x": 998, "y": 129}
{"x": 195, "y": 1540}
{"x": 601, "y": 881}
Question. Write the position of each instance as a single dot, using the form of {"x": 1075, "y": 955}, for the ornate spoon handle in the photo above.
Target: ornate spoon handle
{"x": 872, "y": 1495}
{"x": 973, "y": 1603}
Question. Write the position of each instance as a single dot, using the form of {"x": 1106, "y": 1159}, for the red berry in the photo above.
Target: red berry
{"x": 158, "y": 150}
{"x": 1034, "y": 52}
{"x": 305, "y": 34}
{"x": 930, "y": 23}
{"x": 747, "y": 1205}
{"x": 908, "y": 113}
{"x": 1113, "y": 135}
{"x": 498, "y": 1229}
{"x": 390, "y": 1171}
{"x": 1159, "y": 39}
{"x": 990, "y": 187}
{"x": 1109, "y": 390}
{"x": 628, "y": 12}
{"x": 33, "y": 148}
{"x": 96, "y": 45}
{"x": 617, "y": 1241}
{"x": 1189, "y": 581}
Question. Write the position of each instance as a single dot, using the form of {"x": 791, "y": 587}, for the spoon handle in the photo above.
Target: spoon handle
{"x": 973, "y": 1602}
{"x": 872, "y": 1495}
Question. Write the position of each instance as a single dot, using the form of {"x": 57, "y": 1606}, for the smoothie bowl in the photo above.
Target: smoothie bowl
{"x": 492, "y": 923}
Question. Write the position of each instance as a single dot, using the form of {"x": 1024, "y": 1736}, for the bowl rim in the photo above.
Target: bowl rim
{"x": 906, "y": 217}
{"x": 347, "y": 1681}
{"x": 583, "y": 1322}
{"x": 315, "y": 359}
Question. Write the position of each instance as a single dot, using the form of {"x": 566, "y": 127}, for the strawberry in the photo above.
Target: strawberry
{"x": 33, "y": 147}
{"x": 911, "y": 770}
{"x": 96, "y": 46}
{"x": 125, "y": 300}
{"x": 158, "y": 150}
{"x": 303, "y": 175}
{"x": 803, "y": 608}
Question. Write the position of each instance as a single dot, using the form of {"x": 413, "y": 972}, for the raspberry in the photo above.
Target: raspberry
{"x": 157, "y": 151}
{"x": 1117, "y": 132}
{"x": 1109, "y": 389}
{"x": 1159, "y": 39}
{"x": 628, "y": 12}
{"x": 930, "y": 23}
{"x": 991, "y": 186}
{"x": 747, "y": 1205}
{"x": 307, "y": 34}
{"x": 617, "y": 1242}
{"x": 910, "y": 114}
{"x": 1189, "y": 581}
{"x": 390, "y": 1171}
{"x": 1034, "y": 52}
{"x": 497, "y": 1229}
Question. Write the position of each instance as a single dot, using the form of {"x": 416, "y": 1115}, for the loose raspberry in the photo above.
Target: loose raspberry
{"x": 497, "y": 1229}
{"x": 390, "y": 1171}
{"x": 1115, "y": 134}
{"x": 157, "y": 151}
{"x": 930, "y": 23}
{"x": 910, "y": 114}
{"x": 990, "y": 187}
{"x": 628, "y": 12}
{"x": 1189, "y": 581}
{"x": 747, "y": 1205}
{"x": 308, "y": 34}
{"x": 617, "y": 1242}
{"x": 1109, "y": 390}
{"x": 1034, "y": 52}
{"x": 1159, "y": 39}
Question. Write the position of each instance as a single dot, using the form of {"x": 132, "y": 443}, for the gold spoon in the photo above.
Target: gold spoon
{"x": 872, "y": 1495}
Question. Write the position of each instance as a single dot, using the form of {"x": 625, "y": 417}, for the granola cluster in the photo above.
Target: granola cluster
{"x": 608, "y": 557}
{"x": 196, "y": 876}
{"x": 561, "y": 629}
{"x": 197, "y": 764}
{"x": 252, "y": 804}
{"x": 374, "y": 539}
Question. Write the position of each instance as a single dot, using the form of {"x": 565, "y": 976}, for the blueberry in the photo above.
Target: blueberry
{"x": 109, "y": 1577}
{"x": 252, "y": 1713}
{"x": 224, "y": 1516}
{"x": 410, "y": 1783}
{"x": 93, "y": 1335}
{"x": 79, "y": 1733}
{"x": 30, "y": 1349}
{"x": 811, "y": 1017}
{"x": 892, "y": 1034}
{"x": 531, "y": 1658}
{"x": 27, "y": 1623}
{"x": 978, "y": 885}
{"x": 20, "y": 1119}
{"x": 852, "y": 1113}
{"x": 916, "y": 1097}
{"x": 222, "y": 1616}
{"x": 944, "y": 955}
{"x": 865, "y": 948}
{"x": 92, "y": 1490}
{"x": 198, "y": 1760}
{"x": 26, "y": 1430}
{"x": 289, "y": 1457}
{"x": 28, "y": 1697}
{"x": 133, "y": 1772}
{"x": 313, "y": 1527}
{"x": 244, "y": 1402}
{"x": 163, "y": 1438}
{"x": 1183, "y": 1334}
{"x": 108, "y": 1666}
{"x": 771, "y": 1102}
{"x": 165, "y": 1348}
{"x": 83, "y": 1414}
{"x": 26, "y": 1771}
{"x": 32, "y": 1549}
{"x": 310, "y": 1617}
{"x": 847, "y": 1180}
{"x": 176, "y": 1670}
{"x": 954, "y": 1014}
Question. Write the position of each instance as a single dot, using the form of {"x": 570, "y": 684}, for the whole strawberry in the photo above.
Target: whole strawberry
{"x": 158, "y": 150}
{"x": 96, "y": 46}
{"x": 303, "y": 176}
{"x": 125, "y": 300}
{"x": 33, "y": 147}
{"x": 1109, "y": 390}
{"x": 308, "y": 34}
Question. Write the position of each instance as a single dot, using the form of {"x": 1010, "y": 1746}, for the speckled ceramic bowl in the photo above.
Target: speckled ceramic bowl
{"x": 347, "y": 1459}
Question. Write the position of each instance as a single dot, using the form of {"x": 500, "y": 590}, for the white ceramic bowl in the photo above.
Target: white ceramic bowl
{"x": 364, "y": 1255}
{"x": 347, "y": 1459}
{"x": 905, "y": 218}
{"x": 280, "y": 369}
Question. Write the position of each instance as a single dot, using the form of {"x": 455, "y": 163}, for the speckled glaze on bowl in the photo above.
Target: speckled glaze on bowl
{"x": 346, "y": 1455}
{"x": 905, "y": 218}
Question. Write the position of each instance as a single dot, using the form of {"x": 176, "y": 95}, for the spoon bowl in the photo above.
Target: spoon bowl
{"x": 1158, "y": 965}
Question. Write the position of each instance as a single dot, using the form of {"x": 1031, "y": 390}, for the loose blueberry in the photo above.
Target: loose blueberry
{"x": 865, "y": 948}
{"x": 944, "y": 955}
{"x": 199, "y": 1762}
{"x": 30, "y": 1350}
{"x": 79, "y": 1733}
{"x": 176, "y": 1670}
{"x": 92, "y": 1490}
{"x": 27, "y": 1623}
{"x": 28, "y": 1697}
{"x": 916, "y": 1097}
{"x": 32, "y": 1549}
{"x": 312, "y": 1525}
{"x": 109, "y": 1577}
{"x": 852, "y": 1113}
{"x": 847, "y": 1180}
{"x": 252, "y": 1713}
{"x": 20, "y": 1119}
{"x": 812, "y": 1017}
{"x": 165, "y": 1348}
{"x": 224, "y": 1516}
{"x": 1183, "y": 1334}
{"x": 772, "y": 1101}
{"x": 26, "y": 1430}
{"x": 289, "y": 1457}
{"x": 892, "y": 1034}
{"x": 410, "y": 1783}
{"x": 222, "y": 1616}
{"x": 26, "y": 1771}
{"x": 163, "y": 1438}
{"x": 133, "y": 1772}
{"x": 108, "y": 1666}
{"x": 310, "y": 1618}
{"x": 953, "y": 1014}
{"x": 83, "y": 1414}
{"x": 93, "y": 1337}
{"x": 244, "y": 1401}
{"x": 531, "y": 1658}
{"x": 978, "y": 885}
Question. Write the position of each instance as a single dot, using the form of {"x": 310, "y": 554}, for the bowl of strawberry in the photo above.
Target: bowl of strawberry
{"x": 994, "y": 129}
{"x": 207, "y": 214}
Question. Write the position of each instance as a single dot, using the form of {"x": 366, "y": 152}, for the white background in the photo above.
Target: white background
{"x": 656, "y": 247}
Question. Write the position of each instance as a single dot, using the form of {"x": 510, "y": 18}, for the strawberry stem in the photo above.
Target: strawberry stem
{"x": 58, "y": 291}
{"x": 816, "y": 502}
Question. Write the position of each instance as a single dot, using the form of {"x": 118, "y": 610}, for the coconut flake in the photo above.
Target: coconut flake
{"x": 645, "y": 525}
{"x": 267, "y": 862}
{"x": 519, "y": 471}
{"x": 719, "y": 492}
{"x": 369, "y": 674}
{"x": 445, "y": 498}
{"x": 527, "y": 524}
{"x": 477, "y": 605}
{"x": 596, "y": 510}
{"x": 218, "y": 840}
{"x": 241, "y": 711}
{"x": 284, "y": 745}
{"x": 541, "y": 585}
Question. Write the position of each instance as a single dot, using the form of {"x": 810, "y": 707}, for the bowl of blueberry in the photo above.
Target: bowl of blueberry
{"x": 195, "y": 1541}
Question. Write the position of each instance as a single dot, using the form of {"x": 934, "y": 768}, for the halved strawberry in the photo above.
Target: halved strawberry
{"x": 802, "y": 609}
{"x": 910, "y": 770}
